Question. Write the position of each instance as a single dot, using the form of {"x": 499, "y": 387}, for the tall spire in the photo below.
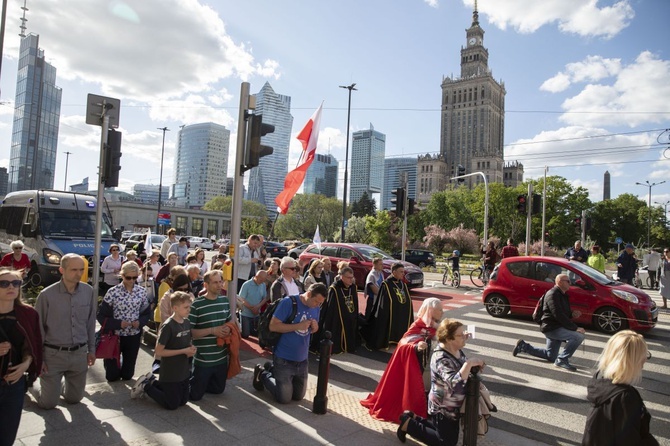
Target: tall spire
{"x": 23, "y": 20}
{"x": 475, "y": 16}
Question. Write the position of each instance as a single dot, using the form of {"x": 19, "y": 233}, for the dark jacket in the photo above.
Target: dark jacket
{"x": 278, "y": 288}
{"x": 618, "y": 416}
{"x": 556, "y": 312}
{"x": 628, "y": 266}
{"x": 572, "y": 252}
{"x": 29, "y": 323}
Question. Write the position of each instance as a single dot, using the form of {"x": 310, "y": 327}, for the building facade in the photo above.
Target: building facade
{"x": 4, "y": 180}
{"x": 201, "y": 164}
{"x": 32, "y": 159}
{"x": 321, "y": 177}
{"x": 146, "y": 192}
{"x": 473, "y": 113}
{"x": 513, "y": 174}
{"x": 266, "y": 180}
{"x": 394, "y": 170}
{"x": 368, "y": 148}
{"x": 432, "y": 175}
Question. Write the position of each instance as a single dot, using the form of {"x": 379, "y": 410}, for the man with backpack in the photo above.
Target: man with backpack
{"x": 557, "y": 327}
{"x": 286, "y": 376}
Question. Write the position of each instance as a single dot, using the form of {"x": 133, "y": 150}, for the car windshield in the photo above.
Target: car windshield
{"x": 370, "y": 253}
{"x": 66, "y": 223}
{"x": 592, "y": 273}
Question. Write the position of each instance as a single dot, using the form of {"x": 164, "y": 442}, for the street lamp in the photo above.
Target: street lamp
{"x": 67, "y": 159}
{"x": 160, "y": 180}
{"x": 665, "y": 207}
{"x": 346, "y": 160}
{"x": 649, "y": 185}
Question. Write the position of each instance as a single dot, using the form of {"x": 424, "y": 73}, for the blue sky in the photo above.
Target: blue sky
{"x": 588, "y": 82}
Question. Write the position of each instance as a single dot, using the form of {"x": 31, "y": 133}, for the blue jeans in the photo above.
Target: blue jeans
{"x": 11, "y": 405}
{"x": 208, "y": 380}
{"x": 287, "y": 381}
{"x": 573, "y": 340}
{"x": 249, "y": 326}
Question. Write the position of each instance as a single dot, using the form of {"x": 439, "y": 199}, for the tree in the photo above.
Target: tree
{"x": 364, "y": 206}
{"x": 254, "y": 215}
{"x": 356, "y": 231}
{"x": 383, "y": 232}
{"x": 305, "y": 213}
{"x": 624, "y": 216}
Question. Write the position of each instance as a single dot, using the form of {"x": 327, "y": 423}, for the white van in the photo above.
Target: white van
{"x": 51, "y": 224}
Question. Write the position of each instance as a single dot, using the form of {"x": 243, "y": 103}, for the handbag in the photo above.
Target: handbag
{"x": 107, "y": 345}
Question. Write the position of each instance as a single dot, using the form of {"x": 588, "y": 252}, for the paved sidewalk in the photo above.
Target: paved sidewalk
{"x": 241, "y": 416}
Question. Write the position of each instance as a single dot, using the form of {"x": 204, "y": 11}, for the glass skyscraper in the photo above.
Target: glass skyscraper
{"x": 321, "y": 177}
{"x": 267, "y": 180}
{"x": 367, "y": 163}
{"x": 201, "y": 164}
{"x": 394, "y": 168}
{"x": 32, "y": 158}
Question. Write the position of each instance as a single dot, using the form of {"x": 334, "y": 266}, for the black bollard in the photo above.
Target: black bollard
{"x": 471, "y": 416}
{"x": 320, "y": 405}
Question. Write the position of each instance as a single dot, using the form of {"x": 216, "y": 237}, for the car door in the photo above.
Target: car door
{"x": 544, "y": 279}
{"x": 582, "y": 295}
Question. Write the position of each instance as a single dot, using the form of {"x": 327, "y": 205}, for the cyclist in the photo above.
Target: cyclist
{"x": 490, "y": 258}
{"x": 455, "y": 261}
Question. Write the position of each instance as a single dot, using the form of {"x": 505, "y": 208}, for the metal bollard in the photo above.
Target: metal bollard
{"x": 471, "y": 415}
{"x": 320, "y": 404}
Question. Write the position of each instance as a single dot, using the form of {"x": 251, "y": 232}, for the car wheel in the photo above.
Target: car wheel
{"x": 34, "y": 276}
{"x": 609, "y": 320}
{"x": 497, "y": 305}
{"x": 422, "y": 264}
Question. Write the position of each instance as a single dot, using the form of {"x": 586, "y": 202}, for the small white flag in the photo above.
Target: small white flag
{"x": 147, "y": 244}
{"x": 317, "y": 238}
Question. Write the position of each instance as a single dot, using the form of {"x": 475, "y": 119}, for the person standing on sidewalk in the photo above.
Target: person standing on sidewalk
{"x": 557, "y": 327}
{"x": 286, "y": 376}
{"x": 509, "y": 250}
{"x": 653, "y": 262}
{"x": 67, "y": 322}
{"x": 596, "y": 260}
{"x": 627, "y": 265}
{"x": 665, "y": 278}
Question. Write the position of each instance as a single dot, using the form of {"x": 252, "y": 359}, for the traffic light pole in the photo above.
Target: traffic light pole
{"x": 101, "y": 196}
{"x": 544, "y": 209}
{"x": 529, "y": 213}
{"x": 486, "y": 202}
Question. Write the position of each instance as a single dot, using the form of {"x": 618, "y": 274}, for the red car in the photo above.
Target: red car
{"x": 360, "y": 259}
{"x": 517, "y": 283}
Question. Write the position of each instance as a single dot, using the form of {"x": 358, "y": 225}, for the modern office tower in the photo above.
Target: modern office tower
{"x": 267, "y": 180}
{"x": 201, "y": 164}
{"x": 368, "y": 148}
{"x": 473, "y": 113}
{"x": 606, "y": 185}
{"x": 394, "y": 170}
{"x": 32, "y": 159}
{"x": 4, "y": 178}
{"x": 321, "y": 177}
{"x": 146, "y": 192}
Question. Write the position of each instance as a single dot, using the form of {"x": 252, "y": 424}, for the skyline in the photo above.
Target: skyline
{"x": 572, "y": 69}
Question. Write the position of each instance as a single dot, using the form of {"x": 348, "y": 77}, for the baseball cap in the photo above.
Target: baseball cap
{"x": 630, "y": 245}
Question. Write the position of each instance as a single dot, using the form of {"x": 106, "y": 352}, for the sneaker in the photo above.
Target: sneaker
{"x": 268, "y": 366}
{"x": 519, "y": 347}
{"x": 565, "y": 365}
{"x": 138, "y": 389}
{"x": 258, "y": 383}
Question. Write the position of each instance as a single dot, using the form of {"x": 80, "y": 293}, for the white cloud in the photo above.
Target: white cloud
{"x": 593, "y": 68}
{"x": 556, "y": 84}
{"x": 432, "y": 3}
{"x": 581, "y": 17}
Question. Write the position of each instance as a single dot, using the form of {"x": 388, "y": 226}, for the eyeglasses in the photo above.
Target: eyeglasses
{"x": 464, "y": 335}
{"x": 348, "y": 277}
{"x": 130, "y": 277}
{"x": 17, "y": 248}
{"x": 6, "y": 283}
{"x": 564, "y": 280}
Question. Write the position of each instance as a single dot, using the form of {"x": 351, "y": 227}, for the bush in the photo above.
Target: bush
{"x": 535, "y": 249}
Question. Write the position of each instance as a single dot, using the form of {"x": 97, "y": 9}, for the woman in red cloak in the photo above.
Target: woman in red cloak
{"x": 401, "y": 387}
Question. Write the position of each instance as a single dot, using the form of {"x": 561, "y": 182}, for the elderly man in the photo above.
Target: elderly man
{"x": 557, "y": 327}
{"x": 286, "y": 284}
{"x": 248, "y": 260}
{"x": 253, "y": 296}
{"x": 339, "y": 314}
{"x": 169, "y": 241}
{"x": 577, "y": 253}
{"x": 67, "y": 312}
{"x": 627, "y": 264}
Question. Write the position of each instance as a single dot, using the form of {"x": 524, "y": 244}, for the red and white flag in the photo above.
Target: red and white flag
{"x": 308, "y": 136}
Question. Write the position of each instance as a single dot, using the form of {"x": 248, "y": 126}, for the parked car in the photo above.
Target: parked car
{"x": 200, "y": 242}
{"x": 360, "y": 259}
{"x": 275, "y": 249}
{"x": 419, "y": 257}
{"x": 517, "y": 283}
{"x": 125, "y": 235}
{"x": 156, "y": 240}
{"x": 642, "y": 278}
{"x": 219, "y": 242}
{"x": 295, "y": 252}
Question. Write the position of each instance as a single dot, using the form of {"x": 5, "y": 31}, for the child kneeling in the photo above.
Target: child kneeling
{"x": 174, "y": 347}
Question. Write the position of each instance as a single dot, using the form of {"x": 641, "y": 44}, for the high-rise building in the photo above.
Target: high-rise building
{"x": 394, "y": 169}
{"x": 473, "y": 113}
{"x": 432, "y": 176}
{"x": 321, "y": 177}
{"x": 368, "y": 149}
{"x": 606, "y": 185}
{"x": 146, "y": 192}
{"x": 32, "y": 159}
{"x": 267, "y": 180}
{"x": 201, "y": 164}
{"x": 4, "y": 178}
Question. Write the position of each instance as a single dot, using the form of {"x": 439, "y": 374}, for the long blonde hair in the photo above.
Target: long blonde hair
{"x": 623, "y": 358}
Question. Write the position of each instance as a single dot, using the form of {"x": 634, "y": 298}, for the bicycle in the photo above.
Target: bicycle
{"x": 479, "y": 277}
{"x": 455, "y": 277}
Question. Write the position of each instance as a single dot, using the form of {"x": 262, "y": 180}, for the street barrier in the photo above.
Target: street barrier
{"x": 320, "y": 405}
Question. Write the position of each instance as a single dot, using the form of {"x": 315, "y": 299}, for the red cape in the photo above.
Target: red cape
{"x": 401, "y": 386}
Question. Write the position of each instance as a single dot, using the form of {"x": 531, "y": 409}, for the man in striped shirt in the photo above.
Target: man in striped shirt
{"x": 209, "y": 315}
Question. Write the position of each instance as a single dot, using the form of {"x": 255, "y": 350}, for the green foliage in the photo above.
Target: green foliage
{"x": 624, "y": 216}
{"x": 30, "y": 294}
{"x": 305, "y": 213}
{"x": 365, "y": 206}
{"x": 383, "y": 231}
{"x": 356, "y": 231}
{"x": 254, "y": 215}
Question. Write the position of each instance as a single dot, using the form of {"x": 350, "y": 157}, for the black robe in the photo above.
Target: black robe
{"x": 339, "y": 315}
{"x": 391, "y": 317}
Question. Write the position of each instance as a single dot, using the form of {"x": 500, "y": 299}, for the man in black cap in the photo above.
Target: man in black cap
{"x": 627, "y": 264}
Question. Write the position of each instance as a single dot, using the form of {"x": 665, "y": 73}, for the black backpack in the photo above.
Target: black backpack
{"x": 539, "y": 307}
{"x": 267, "y": 338}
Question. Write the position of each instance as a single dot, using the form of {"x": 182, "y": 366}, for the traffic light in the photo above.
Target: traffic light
{"x": 537, "y": 204}
{"x": 255, "y": 150}
{"x": 112, "y": 165}
{"x": 521, "y": 204}
{"x": 398, "y": 201}
{"x": 461, "y": 171}
{"x": 410, "y": 206}
{"x": 578, "y": 223}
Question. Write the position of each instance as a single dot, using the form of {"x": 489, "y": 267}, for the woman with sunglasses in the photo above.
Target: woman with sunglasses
{"x": 449, "y": 372}
{"x": 402, "y": 387}
{"x": 618, "y": 416}
{"x": 110, "y": 267}
{"x": 125, "y": 309}
{"x": 20, "y": 352}
{"x": 17, "y": 259}
{"x": 664, "y": 281}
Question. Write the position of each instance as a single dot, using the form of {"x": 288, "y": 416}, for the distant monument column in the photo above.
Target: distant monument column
{"x": 606, "y": 186}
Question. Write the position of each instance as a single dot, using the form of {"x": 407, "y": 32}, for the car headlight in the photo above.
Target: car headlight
{"x": 625, "y": 295}
{"x": 51, "y": 256}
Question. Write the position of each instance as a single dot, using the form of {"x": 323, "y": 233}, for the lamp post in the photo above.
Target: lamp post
{"x": 649, "y": 185}
{"x": 665, "y": 207}
{"x": 160, "y": 180}
{"x": 67, "y": 160}
{"x": 346, "y": 161}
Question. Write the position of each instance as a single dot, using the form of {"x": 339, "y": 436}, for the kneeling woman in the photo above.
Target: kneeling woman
{"x": 449, "y": 371}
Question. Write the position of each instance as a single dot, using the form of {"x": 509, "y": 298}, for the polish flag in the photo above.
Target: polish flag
{"x": 309, "y": 136}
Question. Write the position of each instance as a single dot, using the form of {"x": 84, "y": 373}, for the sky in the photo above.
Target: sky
{"x": 587, "y": 81}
